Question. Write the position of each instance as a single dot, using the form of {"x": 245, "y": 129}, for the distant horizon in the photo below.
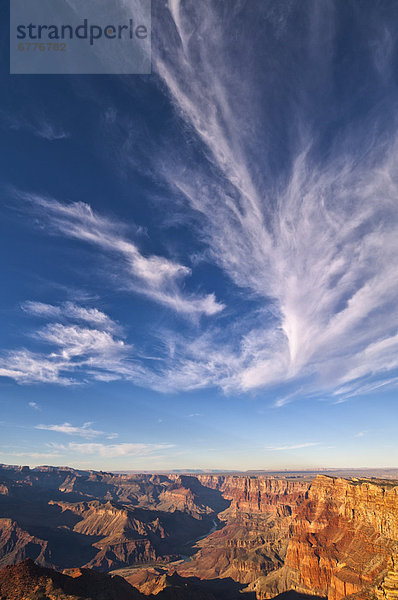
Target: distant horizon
{"x": 212, "y": 471}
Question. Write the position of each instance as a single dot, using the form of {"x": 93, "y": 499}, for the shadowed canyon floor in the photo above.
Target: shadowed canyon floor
{"x": 217, "y": 536}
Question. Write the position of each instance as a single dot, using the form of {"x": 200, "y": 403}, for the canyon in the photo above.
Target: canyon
{"x": 214, "y": 535}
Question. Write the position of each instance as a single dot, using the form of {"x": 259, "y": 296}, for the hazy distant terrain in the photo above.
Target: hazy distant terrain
{"x": 308, "y": 474}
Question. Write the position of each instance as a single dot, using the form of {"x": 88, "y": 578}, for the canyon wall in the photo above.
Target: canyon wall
{"x": 258, "y": 494}
{"x": 332, "y": 537}
{"x": 344, "y": 536}
{"x": 251, "y": 544}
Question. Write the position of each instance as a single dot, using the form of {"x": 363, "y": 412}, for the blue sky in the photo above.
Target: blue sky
{"x": 199, "y": 265}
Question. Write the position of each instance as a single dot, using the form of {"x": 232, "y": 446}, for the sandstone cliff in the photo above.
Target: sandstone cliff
{"x": 344, "y": 536}
{"x": 333, "y": 537}
{"x": 258, "y": 494}
{"x": 388, "y": 588}
{"x": 256, "y": 528}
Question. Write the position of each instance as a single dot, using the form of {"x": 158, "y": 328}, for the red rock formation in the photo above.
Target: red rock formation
{"x": 257, "y": 526}
{"x": 332, "y": 538}
{"x": 258, "y": 494}
{"x": 388, "y": 588}
{"x": 343, "y": 536}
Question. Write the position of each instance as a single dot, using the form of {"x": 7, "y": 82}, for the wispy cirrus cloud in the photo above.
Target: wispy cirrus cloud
{"x": 70, "y": 311}
{"x": 156, "y": 277}
{"x": 113, "y": 450}
{"x": 293, "y": 446}
{"x": 361, "y": 387}
{"x": 39, "y": 126}
{"x": 319, "y": 236}
{"x": 77, "y": 341}
{"x": 72, "y": 353}
{"x": 26, "y": 366}
{"x": 36, "y": 455}
{"x": 84, "y": 430}
{"x": 48, "y": 131}
{"x": 72, "y": 450}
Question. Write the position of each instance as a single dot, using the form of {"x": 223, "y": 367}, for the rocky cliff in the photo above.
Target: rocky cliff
{"x": 388, "y": 588}
{"x": 253, "y": 538}
{"x": 344, "y": 536}
{"x": 258, "y": 494}
{"x": 332, "y": 537}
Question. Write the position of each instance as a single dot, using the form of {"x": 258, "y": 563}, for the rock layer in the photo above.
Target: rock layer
{"x": 333, "y": 537}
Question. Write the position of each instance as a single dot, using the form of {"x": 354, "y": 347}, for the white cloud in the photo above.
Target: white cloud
{"x": 293, "y": 446}
{"x": 47, "y": 131}
{"x": 70, "y": 310}
{"x": 66, "y": 452}
{"x": 36, "y": 455}
{"x": 154, "y": 276}
{"x": 286, "y": 399}
{"x": 29, "y": 367}
{"x": 114, "y": 450}
{"x": 76, "y": 354}
{"x": 361, "y": 387}
{"x": 317, "y": 247}
{"x": 77, "y": 341}
{"x": 84, "y": 431}
{"x": 34, "y": 405}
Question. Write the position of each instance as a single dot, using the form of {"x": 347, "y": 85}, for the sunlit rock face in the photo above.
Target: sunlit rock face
{"x": 388, "y": 588}
{"x": 251, "y": 545}
{"x": 331, "y": 537}
{"x": 258, "y": 494}
{"x": 344, "y": 536}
